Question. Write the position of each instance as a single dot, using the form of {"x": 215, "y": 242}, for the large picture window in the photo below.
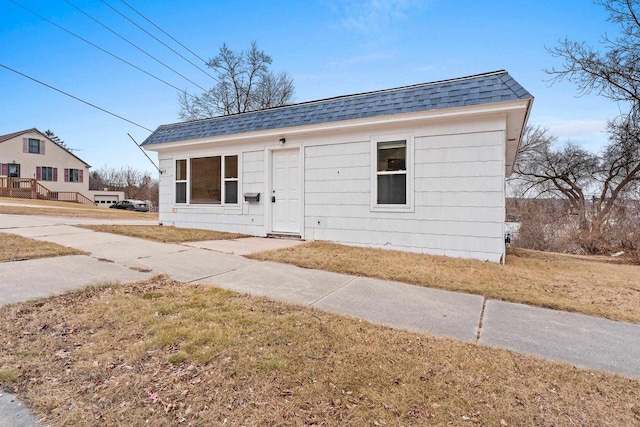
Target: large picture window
{"x": 211, "y": 180}
{"x": 392, "y": 184}
{"x": 206, "y": 175}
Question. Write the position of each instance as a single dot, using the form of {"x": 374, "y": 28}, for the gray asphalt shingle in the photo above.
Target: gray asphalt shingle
{"x": 497, "y": 86}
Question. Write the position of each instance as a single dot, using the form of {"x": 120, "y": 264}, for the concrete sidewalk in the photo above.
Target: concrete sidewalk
{"x": 581, "y": 340}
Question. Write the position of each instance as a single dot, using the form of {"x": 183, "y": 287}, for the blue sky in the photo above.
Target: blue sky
{"x": 330, "y": 48}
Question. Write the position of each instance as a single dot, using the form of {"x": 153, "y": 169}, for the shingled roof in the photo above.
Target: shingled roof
{"x": 479, "y": 89}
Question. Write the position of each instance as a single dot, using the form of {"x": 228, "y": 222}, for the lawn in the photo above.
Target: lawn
{"x": 51, "y": 208}
{"x": 589, "y": 285}
{"x": 162, "y": 353}
{"x": 598, "y": 286}
{"x": 13, "y": 247}
{"x": 164, "y": 234}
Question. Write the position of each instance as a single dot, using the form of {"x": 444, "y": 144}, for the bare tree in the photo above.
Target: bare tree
{"x": 598, "y": 186}
{"x": 543, "y": 224}
{"x": 245, "y": 83}
{"x": 571, "y": 172}
{"x": 135, "y": 184}
{"x": 614, "y": 72}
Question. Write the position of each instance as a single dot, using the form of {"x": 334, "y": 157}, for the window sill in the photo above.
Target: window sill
{"x": 212, "y": 206}
{"x": 392, "y": 208}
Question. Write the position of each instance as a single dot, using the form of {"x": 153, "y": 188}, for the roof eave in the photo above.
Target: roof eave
{"x": 514, "y": 158}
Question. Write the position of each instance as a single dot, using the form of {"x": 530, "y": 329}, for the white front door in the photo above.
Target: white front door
{"x": 285, "y": 194}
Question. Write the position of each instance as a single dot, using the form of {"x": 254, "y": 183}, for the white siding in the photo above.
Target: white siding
{"x": 458, "y": 182}
{"x": 248, "y": 218}
{"x": 459, "y": 197}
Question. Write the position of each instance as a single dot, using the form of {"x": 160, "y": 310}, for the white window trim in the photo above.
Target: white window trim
{"x": 223, "y": 179}
{"x": 178, "y": 181}
{"x": 409, "y": 163}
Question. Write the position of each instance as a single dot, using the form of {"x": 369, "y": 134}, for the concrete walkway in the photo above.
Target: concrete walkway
{"x": 580, "y": 340}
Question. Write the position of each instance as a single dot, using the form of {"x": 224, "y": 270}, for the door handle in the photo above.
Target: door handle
{"x": 273, "y": 199}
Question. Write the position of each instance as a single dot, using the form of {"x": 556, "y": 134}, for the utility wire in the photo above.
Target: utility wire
{"x": 132, "y": 44}
{"x": 145, "y": 153}
{"x": 100, "y": 48}
{"x": 75, "y": 97}
{"x": 157, "y": 39}
{"x": 163, "y": 31}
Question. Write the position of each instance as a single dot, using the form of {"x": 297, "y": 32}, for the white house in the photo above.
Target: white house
{"x": 418, "y": 168}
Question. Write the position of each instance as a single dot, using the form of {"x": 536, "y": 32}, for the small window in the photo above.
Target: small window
{"x": 34, "y": 146}
{"x": 392, "y": 173}
{"x": 46, "y": 173}
{"x": 231, "y": 179}
{"x": 392, "y": 178}
{"x": 73, "y": 175}
{"x": 181, "y": 181}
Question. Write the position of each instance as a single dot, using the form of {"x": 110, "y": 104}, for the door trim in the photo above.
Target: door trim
{"x": 268, "y": 178}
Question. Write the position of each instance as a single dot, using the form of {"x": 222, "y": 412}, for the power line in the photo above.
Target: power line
{"x": 164, "y": 32}
{"x": 145, "y": 153}
{"x": 132, "y": 44}
{"x": 100, "y": 48}
{"x": 76, "y": 98}
{"x": 157, "y": 39}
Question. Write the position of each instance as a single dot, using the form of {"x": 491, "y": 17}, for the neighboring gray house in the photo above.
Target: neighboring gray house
{"x": 419, "y": 168}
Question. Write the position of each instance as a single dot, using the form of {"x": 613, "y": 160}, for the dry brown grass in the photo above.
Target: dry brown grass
{"x": 572, "y": 283}
{"x": 14, "y": 247}
{"x": 76, "y": 210}
{"x": 43, "y": 203}
{"x": 160, "y": 353}
{"x": 165, "y": 234}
